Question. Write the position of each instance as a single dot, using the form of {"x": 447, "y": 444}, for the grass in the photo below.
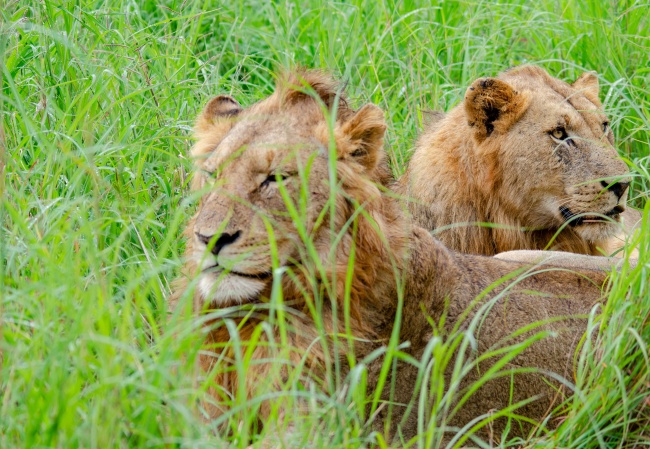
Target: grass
{"x": 97, "y": 102}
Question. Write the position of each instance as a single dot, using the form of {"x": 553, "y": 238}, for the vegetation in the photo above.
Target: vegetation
{"x": 97, "y": 103}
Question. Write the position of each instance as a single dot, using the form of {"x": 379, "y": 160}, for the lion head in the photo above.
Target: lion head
{"x": 527, "y": 151}
{"x": 263, "y": 169}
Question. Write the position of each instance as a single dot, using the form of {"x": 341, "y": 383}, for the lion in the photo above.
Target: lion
{"x": 249, "y": 157}
{"x": 294, "y": 205}
{"x": 528, "y": 154}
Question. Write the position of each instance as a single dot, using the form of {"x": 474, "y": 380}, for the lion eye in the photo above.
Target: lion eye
{"x": 605, "y": 126}
{"x": 559, "y": 134}
{"x": 273, "y": 177}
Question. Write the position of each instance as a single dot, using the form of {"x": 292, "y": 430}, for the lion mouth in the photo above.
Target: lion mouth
{"x": 262, "y": 276}
{"x": 574, "y": 219}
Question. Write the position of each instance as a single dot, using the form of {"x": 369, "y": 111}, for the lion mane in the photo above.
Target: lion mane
{"x": 295, "y": 115}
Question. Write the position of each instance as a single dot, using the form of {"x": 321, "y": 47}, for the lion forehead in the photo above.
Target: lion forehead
{"x": 553, "y": 98}
{"x": 262, "y": 144}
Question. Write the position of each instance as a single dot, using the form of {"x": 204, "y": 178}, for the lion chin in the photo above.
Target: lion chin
{"x": 593, "y": 228}
{"x": 223, "y": 289}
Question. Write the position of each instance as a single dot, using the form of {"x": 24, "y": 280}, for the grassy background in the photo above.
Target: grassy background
{"x": 97, "y": 101}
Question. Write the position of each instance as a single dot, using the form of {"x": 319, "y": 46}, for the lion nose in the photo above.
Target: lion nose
{"x": 223, "y": 240}
{"x": 618, "y": 188}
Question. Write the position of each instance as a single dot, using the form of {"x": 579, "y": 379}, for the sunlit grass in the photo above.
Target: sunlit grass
{"x": 97, "y": 101}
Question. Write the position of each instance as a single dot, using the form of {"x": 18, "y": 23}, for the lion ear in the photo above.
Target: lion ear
{"x": 212, "y": 124}
{"x": 493, "y": 105}
{"x": 587, "y": 84}
{"x": 361, "y": 137}
{"x": 221, "y": 106}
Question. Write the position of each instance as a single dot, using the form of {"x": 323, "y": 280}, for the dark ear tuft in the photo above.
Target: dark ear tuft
{"x": 493, "y": 105}
{"x": 219, "y": 107}
{"x": 359, "y": 152}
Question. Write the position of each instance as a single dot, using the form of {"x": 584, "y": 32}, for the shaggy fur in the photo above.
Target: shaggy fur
{"x": 529, "y": 153}
{"x": 257, "y": 158}
{"x": 288, "y": 134}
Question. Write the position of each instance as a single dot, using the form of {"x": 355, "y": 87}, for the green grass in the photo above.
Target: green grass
{"x": 97, "y": 102}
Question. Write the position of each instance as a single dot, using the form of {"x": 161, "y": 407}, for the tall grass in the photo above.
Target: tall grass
{"x": 97, "y": 100}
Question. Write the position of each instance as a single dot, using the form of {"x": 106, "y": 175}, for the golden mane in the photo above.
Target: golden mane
{"x": 366, "y": 226}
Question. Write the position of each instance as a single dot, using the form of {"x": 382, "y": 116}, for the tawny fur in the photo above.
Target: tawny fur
{"x": 238, "y": 148}
{"x": 492, "y": 159}
{"x": 291, "y": 113}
